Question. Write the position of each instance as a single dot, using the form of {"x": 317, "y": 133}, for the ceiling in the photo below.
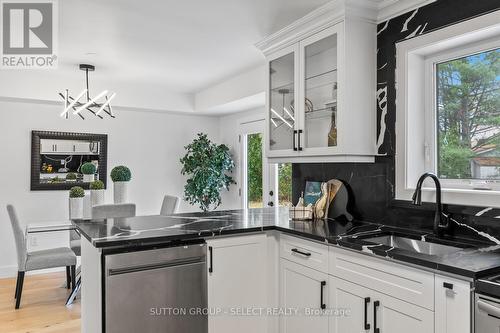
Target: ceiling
{"x": 183, "y": 45}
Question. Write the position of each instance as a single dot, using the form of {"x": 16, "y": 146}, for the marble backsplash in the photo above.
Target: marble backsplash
{"x": 371, "y": 199}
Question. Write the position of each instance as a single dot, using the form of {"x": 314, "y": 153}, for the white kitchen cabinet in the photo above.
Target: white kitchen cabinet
{"x": 392, "y": 315}
{"x": 321, "y": 87}
{"x": 355, "y": 299}
{"x": 67, "y": 147}
{"x": 305, "y": 290}
{"x": 371, "y": 311}
{"x": 453, "y": 305}
{"x": 237, "y": 271}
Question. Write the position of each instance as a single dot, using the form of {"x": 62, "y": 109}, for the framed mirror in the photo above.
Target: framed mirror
{"x": 57, "y": 159}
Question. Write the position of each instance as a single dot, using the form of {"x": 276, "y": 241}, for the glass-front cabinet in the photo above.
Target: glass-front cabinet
{"x": 321, "y": 96}
{"x": 319, "y": 91}
{"x": 282, "y": 124}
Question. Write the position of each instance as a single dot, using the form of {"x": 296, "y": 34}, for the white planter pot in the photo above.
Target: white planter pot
{"x": 88, "y": 178}
{"x": 120, "y": 192}
{"x": 75, "y": 208}
{"x": 97, "y": 197}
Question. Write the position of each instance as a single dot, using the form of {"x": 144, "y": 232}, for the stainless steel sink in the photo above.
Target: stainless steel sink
{"x": 414, "y": 245}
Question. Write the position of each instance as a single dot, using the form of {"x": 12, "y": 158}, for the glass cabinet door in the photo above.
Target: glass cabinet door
{"x": 282, "y": 114}
{"x": 319, "y": 90}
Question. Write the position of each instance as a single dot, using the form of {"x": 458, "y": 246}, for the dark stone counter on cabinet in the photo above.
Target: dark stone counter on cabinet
{"x": 478, "y": 257}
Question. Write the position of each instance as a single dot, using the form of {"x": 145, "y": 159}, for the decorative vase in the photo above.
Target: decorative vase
{"x": 75, "y": 208}
{"x": 96, "y": 197}
{"x": 120, "y": 192}
{"x": 88, "y": 178}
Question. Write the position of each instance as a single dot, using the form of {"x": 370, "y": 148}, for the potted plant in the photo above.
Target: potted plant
{"x": 71, "y": 177}
{"x": 88, "y": 169}
{"x": 120, "y": 175}
{"x": 76, "y": 195}
{"x": 97, "y": 192}
{"x": 206, "y": 164}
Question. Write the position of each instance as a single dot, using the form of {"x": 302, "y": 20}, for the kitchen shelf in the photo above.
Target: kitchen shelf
{"x": 320, "y": 113}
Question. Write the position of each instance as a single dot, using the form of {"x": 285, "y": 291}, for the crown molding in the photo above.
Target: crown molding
{"x": 321, "y": 18}
{"x": 375, "y": 11}
{"x": 392, "y": 8}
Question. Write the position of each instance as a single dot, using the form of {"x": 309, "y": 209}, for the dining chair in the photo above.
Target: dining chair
{"x": 99, "y": 212}
{"x": 113, "y": 211}
{"x": 170, "y": 205}
{"x": 35, "y": 260}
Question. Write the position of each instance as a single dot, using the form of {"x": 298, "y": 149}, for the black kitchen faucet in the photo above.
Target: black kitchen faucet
{"x": 441, "y": 222}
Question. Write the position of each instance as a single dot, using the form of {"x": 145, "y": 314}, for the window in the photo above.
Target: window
{"x": 467, "y": 119}
{"x": 448, "y": 112}
{"x": 254, "y": 171}
{"x": 284, "y": 184}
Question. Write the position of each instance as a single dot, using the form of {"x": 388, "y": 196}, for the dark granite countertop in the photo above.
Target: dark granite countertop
{"x": 477, "y": 258}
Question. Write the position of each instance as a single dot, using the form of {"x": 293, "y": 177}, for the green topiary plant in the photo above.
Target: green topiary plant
{"x": 71, "y": 176}
{"x": 88, "y": 168}
{"x": 121, "y": 174}
{"x": 206, "y": 165}
{"x": 76, "y": 192}
{"x": 97, "y": 185}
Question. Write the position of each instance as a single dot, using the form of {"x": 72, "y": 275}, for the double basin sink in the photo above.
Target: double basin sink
{"x": 413, "y": 245}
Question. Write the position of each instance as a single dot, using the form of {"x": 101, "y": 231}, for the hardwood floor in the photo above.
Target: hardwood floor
{"x": 42, "y": 306}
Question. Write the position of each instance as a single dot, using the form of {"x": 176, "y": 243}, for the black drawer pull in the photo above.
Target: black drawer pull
{"x": 307, "y": 254}
{"x": 367, "y": 325}
{"x": 300, "y": 132}
{"x": 448, "y": 285}
{"x": 211, "y": 267}
{"x": 294, "y": 145}
{"x": 323, "y": 305}
{"x": 376, "y": 304}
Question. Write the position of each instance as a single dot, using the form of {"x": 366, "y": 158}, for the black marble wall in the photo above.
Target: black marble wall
{"x": 372, "y": 185}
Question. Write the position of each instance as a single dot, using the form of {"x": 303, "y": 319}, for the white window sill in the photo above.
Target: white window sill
{"x": 481, "y": 198}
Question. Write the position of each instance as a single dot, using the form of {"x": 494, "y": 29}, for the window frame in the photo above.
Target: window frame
{"x": 413, "y": 95}
{"x": 431, "y": 127}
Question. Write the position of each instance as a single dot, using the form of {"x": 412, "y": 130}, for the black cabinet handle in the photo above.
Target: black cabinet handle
{"x": 323, "y": 305}
{"x": 211, "y": 267}
{"x": 294, "y": 146}
{"x": 448, "y": 285}
{"x": 299, "y": 134}
{"x": 376, "y": 304}
{"x": 307, "y": 254}
{"x": 367, "y": 325}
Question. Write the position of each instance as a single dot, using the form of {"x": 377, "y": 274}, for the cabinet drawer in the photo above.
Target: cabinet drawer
{"x": 307, "y": 253}
{"x": 405, "y": 283}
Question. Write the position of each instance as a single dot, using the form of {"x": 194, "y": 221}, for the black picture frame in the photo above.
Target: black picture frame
{"x": 36, "y": 136}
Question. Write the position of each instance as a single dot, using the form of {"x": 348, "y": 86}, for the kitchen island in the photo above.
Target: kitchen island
{"x": 198, "y": 241}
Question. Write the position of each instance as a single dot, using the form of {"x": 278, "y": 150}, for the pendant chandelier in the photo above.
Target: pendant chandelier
{"x": 98, "y": 105}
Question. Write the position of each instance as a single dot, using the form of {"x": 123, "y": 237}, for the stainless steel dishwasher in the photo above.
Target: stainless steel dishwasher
{"x": 487, "y": 305}
{"x": 161, "y": 290}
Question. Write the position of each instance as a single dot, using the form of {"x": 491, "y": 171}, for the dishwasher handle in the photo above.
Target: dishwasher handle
{"x": 488, "y": 308}
{"x": 148, "y": 267}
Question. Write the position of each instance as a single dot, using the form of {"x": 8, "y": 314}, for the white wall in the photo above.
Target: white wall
{"x": 149, "y": 143}
{"x": 245, "y": 89}
{"x": 229, "y": 131}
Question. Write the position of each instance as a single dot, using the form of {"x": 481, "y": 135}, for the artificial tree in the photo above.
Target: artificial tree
{"x": 206, "y": 165}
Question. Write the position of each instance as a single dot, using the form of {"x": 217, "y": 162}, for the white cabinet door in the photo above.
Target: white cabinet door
{"x": 47, "y": 146}
{"x": 281, "y": 133}
{"x": 392, "y": 315}
{"x": 320, "y": 82}
{"x": 306, "y": 291}
{"x": 371, "y": 311}
{"x": 237, "y": 282}
{"x": 453, "y": 305}
{"x": 356, "y": 300}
